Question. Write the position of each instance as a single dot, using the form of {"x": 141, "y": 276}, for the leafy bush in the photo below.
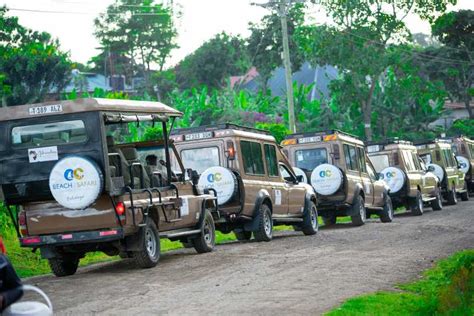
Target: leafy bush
{"x": 462, "y": 127}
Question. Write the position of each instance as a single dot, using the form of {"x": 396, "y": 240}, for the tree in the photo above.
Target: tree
{"x": 265, "y": 43}
{"x": 360, "y": 40}
{"x": 139, "y": 30}
{"x": 31, "y": 62}
{"x": 214, "y": 62}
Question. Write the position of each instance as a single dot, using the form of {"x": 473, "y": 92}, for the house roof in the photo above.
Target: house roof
{"x": 456, "y": 105}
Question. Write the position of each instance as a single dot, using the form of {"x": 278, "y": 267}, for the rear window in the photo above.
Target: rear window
{"x": 252, "y": 156}
{"x": 308, "y": 159}
{"x": 200, "y": 159}
{"x": 58, "y": 133}
{"x": 380, "y": 162}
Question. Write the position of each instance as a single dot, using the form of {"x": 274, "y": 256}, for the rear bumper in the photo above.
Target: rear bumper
{"x": 86, "y": 237}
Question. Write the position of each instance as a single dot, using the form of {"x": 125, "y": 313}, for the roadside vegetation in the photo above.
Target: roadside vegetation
{"x": 445, "y": 289}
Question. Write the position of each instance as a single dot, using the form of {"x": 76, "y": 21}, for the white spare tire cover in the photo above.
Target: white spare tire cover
{"x": 76, "y": 182}
{"x": 394, "y": 178}
{"x": 464, "y": 163}
{"x": 326, "y": 179}
{"x": 437, "y": 170}
{"x": 300, "y": 172}
{"x": 220, "y": 179}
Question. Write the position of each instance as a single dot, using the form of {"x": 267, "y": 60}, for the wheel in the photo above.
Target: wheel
{"x": 437, "y": 204}
{"x": 330, "y": 220}
{"x": 243, "y": 235}
{"x": 359, "y": 206}
{"x": 265, "y": 224}
{"x": 452, "y": 198}
{"x": 417, "y": 205}
{"x": 310, "y": 221}
{"x": 386, "y": 216}
{"x": 65, "y": 266}
{"x": 465, "y": 195}
{"x": 207, "y": 238}
{"x": 149, "y": 254}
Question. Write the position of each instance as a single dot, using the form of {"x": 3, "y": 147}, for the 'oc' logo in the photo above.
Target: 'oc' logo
{"x": 214, "y": 177}
{"x": 71, "y": 174}
{"x": 390, "y": 175}
{"x": 325, "y": 173}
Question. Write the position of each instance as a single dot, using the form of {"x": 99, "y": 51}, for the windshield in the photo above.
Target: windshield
{"x": 379, "y": 162}
{"x": 49, "y": 134}
{"x": 151, "y": 156}
{"x": 308, "y": 159}
{"x": 200, "y": 159}
{"x": 125, "y": 133}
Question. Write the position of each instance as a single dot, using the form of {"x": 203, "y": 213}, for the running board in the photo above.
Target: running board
{"x": 288, "y": 220}
{"x": 176, "y": 234}
{"x": 429, "y": 199}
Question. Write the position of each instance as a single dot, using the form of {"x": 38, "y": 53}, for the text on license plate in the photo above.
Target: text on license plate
{"x": 45, "y": 109}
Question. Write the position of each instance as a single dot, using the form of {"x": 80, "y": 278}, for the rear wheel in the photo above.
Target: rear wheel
{"x": 207, "y": 238}
{"x": 310, "y": 221}
{"x": 465, "y": 195}
{"x": 265, "y": 224}
{"x": 329, "y": 220}
{"x": 64, "y": 266}
{"x": 417, "y": 205}
{"x": 386, "y": 216}
{"x": 149, "y": 253}
{"x": 452, "y": 198}
{"x": 358, "y": 219}
{"x": 243, "y": 235}
{"x": 437, "y": 204}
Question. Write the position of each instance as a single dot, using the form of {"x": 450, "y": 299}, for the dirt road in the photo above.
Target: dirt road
{"x": 293, "y": 274}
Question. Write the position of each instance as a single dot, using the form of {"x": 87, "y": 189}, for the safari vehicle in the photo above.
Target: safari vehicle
{"x": 439, "y": 157}
{"x": 411, "y": 183}
{"x": 336, "y": 165}
{"x": 463, "y": 148}
{"x": 256, "y": 187}
{"x": 80, "y": 184}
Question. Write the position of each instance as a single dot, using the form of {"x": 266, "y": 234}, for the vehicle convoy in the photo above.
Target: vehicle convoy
{"x": 439, "y": 158}
{"x": 336, "y": 165}
{"x": 411, "y": 183}
{"x": 74, "y": 182}
{"x": 463, "y": 148}
{"x": 256, "y": 187}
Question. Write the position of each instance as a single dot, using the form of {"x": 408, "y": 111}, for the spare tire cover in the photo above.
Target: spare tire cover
{"x": 464, "y": 163}
{"x": 220, "y": 179}
{"x": 76, "y": 182}
{"x": 326, "y": 179}
{"x": 300, "y": 172}
{"x": 394, "y": 177}
{"x": 438, "y": 171}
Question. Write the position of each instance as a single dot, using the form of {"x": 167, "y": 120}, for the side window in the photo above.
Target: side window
{"x": 407, "y": 156}
{"x": 371, "y": 172}
{"x": 271, "y": 160}
{"x": 252, "y": 156}
{"x": 285, "y": 174}
{"x": 416, "y": 161}
{"x": 351, "y": 157}
{"x": 362, "y": 162}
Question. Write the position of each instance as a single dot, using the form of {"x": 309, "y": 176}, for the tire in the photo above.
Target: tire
{"x": 206, "y": 240}
{"x": 417, "y": 206}
{"x": 330, "y": 220}
{"x": 62, "y": 267}
{"x": 310, "y": 221}
{"x": 360, "y": 217}
{"x": 243, "y": 235}
{"x": 149, "y": 254}
{"x": 437, "y": 204}
{"x": 465, "y": 195}
{"x": 386, "y": 215}
{"x": 451, "y": 197}
{"x": 265, "y": 224}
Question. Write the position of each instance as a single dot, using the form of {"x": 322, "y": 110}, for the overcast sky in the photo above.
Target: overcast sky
{"x": 201, "y": 20}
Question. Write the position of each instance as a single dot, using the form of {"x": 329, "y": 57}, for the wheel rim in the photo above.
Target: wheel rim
{"x": 208, "y": 233}
{"x": 390, "y": 209}
{"x": 267, "y": 222}
{"x": 314, "y": 219}
{"x": 150, "y": 239}
{"x": 420, "y": 204}
{"x": 455, "y": 198}
{"x": 362, "y": 211}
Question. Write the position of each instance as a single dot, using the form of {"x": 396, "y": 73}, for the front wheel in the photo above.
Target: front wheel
{"x": 149, "y": 253}
{"x": 437, "y": 204}
{"x": 264, "y": 231}
{"x": 452, "y": 198}
{"x": 417, "y": 205}
{"x": 64, "y": 266}
{"x": 310, "y": 221}
{"x": 358, "y": 219}
{"x": 386, "y": 216}
{"x": 207, "y": 238}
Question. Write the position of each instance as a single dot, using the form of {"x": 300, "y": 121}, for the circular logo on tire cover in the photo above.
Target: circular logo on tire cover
{"x": 220, "y": 179}
{"x": 394, "y": 177}
{"x": 326, "y": 179}
{"x": 464, "y": 164}
{"x": 300, "y": 172}
{"x": 75, "y": 182}
{"x": 437, "y": 170}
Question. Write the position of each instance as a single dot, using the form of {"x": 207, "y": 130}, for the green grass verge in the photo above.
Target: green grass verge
{"x": 446, "y": 289}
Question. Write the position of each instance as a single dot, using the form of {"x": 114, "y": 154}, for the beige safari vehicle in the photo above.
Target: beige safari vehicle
{"x": 256, "y": 187}
{"x": 440, "y": 160}
{"x": 74, "y": 182}
{"x": 336, "y": 165}
{"x": 463, "y": 148}
{"x": 411, "y": 184}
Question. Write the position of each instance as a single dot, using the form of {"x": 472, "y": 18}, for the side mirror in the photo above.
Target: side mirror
{"x": 431, "y": 169}
{"x": 299, "y": 178}
{"x": 193, "y": 175}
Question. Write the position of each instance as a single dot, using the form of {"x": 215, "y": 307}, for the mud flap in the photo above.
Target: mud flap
{"x": 134, "y": 242}
{"x": 252, "y": 226}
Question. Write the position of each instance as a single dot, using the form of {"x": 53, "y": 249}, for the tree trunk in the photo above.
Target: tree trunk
{"x": 367, "y": 112}
{"x": 467, "y": 103}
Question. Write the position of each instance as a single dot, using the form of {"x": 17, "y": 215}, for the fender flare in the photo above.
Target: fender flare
{"x": 357, "y": 191}
{"x": 262, "y": 196}
{"x": 309, "y": 198}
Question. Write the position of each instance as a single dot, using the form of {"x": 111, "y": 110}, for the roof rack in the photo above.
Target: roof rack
{"x": 210, "y": 128}
{"x": 319, "y": 133}
{"x": 431, "y": 141}
{"x": 390, "y": 141}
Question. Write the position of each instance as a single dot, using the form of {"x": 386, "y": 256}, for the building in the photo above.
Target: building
{"x": 454, "y": 111}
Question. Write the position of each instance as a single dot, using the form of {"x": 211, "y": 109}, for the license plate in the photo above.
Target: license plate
{"x": 45, "y": 109}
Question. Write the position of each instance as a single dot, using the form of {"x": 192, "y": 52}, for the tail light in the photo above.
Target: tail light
{"x": 230, "y": 150}
{"x": 22, "y": 223}
{"x": 120, "y": 209}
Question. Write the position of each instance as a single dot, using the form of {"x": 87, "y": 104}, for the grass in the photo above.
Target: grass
{"x": 445, "y": 289}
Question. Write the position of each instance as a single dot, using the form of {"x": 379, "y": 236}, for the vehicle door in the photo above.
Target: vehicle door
{"x": 352, "y": 170}
{"x": 279, "y": 189}
{"x": 429, "y": 179}
{"x": 296, "y": 192}
{"x": 378, "y": 185}
{"x": 367, "y": 182}
{"x": 413, "y": 171}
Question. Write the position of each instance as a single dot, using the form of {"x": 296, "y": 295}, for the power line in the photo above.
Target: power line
{"x": 80, "y": 13}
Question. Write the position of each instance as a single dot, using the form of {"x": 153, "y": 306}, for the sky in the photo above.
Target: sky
{"x": 200, "y": 21}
